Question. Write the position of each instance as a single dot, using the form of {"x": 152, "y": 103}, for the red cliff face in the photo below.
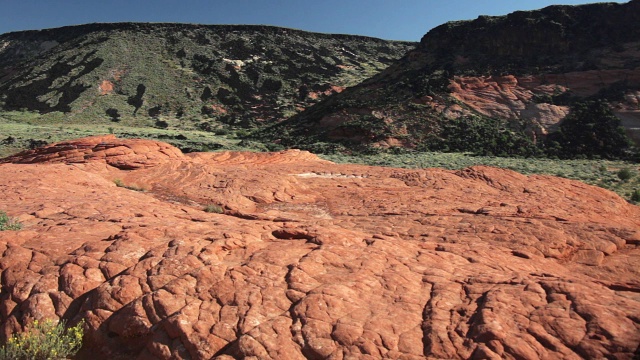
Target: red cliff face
{"x": 526, "y": 98}
{"x": 574, "y": 51}
{"x": 312, "y": 259}
{"x": 525, "y": 69}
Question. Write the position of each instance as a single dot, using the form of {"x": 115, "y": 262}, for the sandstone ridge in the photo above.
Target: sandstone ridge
{"x": 122, "y": 154}
{"x": 311, "y": 259}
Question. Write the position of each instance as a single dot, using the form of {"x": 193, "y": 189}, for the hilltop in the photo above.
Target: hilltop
{"x": 499, "y": 85}
{"x": 563, "y": 81}
{"x": 182, "y": 76}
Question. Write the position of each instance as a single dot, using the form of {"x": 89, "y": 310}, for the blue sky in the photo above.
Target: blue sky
{"x": 387, "y": 19}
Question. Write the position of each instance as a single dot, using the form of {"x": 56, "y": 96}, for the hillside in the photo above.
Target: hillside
{"x": 180, "y": 75}
{"x": 236, "y": 255}
{"x": 503, "y": 83}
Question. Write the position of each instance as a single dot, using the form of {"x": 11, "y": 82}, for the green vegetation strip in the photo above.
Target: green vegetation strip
{"x": 616, "y": 175}
{"x": 619, "y": 176}
{"x": 16, "y": 137}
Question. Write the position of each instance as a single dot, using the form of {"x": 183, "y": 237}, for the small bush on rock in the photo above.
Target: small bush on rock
{"x": 7, "y": 223}
{"x": 212, "y": 208}
{"x": 44, "y": 340}
{"x": 134, "y": 187}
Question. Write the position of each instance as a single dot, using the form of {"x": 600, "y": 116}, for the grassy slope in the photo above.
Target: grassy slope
{"x": 601, "y": 173}
{"x": 27, "y": 130}
{"x": 246, "y": 75}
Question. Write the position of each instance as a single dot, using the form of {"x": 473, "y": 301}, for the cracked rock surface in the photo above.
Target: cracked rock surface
{"x": 314, "y": 260}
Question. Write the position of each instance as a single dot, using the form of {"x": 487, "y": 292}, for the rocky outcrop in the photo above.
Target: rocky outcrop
{"x": 509, "y": 97}
{"x": 122, "y": 154}
{"x": 555, "y": 39}
{"x": 311, "y": 259}
{"x": 526, "y": 69}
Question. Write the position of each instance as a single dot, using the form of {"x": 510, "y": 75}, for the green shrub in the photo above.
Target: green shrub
{"x": 481, "y": 136}
{"x": 44, "y": 340}
{"x": 242, "y": 133}
{"x": 625, "y": 174}
{"x": 591, "y": 130}
{"x": 7, "y": 223}
{"x": 635, "y": 196}
{"x": 212, "y": 208}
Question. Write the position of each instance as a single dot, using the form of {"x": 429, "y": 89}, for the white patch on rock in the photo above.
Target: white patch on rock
{"x": 330, "y": 176}
{"x": 4, "y": 45}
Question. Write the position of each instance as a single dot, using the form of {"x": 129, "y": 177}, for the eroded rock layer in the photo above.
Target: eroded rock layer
{"x": 315, "y": 260}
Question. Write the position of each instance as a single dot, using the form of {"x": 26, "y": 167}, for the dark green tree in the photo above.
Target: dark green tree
{"x": 590, "y": 130}
{"x": 483, "y": 136}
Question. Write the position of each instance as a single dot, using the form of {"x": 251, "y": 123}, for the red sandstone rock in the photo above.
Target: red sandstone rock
{"x": 313, "y": 259}
{"x": 106, "y": 87}
{"x": 119, "y": 153}
{"x": 511, "y": 97}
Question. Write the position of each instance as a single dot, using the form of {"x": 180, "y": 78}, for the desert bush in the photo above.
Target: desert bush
{"x": 242, "y": 133}
{"x": 481, "y": 136}
{"x": 635, "y": 196}
{"x": 161, "y": 124}
{"x": 44, "y": 340}
{"x": 113, "y": 114}
{"x": 625, "y": 174}
{"x": 134, "y": 187}
{"x": 7, "y": 223}
{"x": 213, "y": 208}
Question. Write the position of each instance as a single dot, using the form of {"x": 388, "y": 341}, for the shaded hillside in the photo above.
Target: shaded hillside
{"x": 506, "y": 81}
{"x": 182, "y": 74}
